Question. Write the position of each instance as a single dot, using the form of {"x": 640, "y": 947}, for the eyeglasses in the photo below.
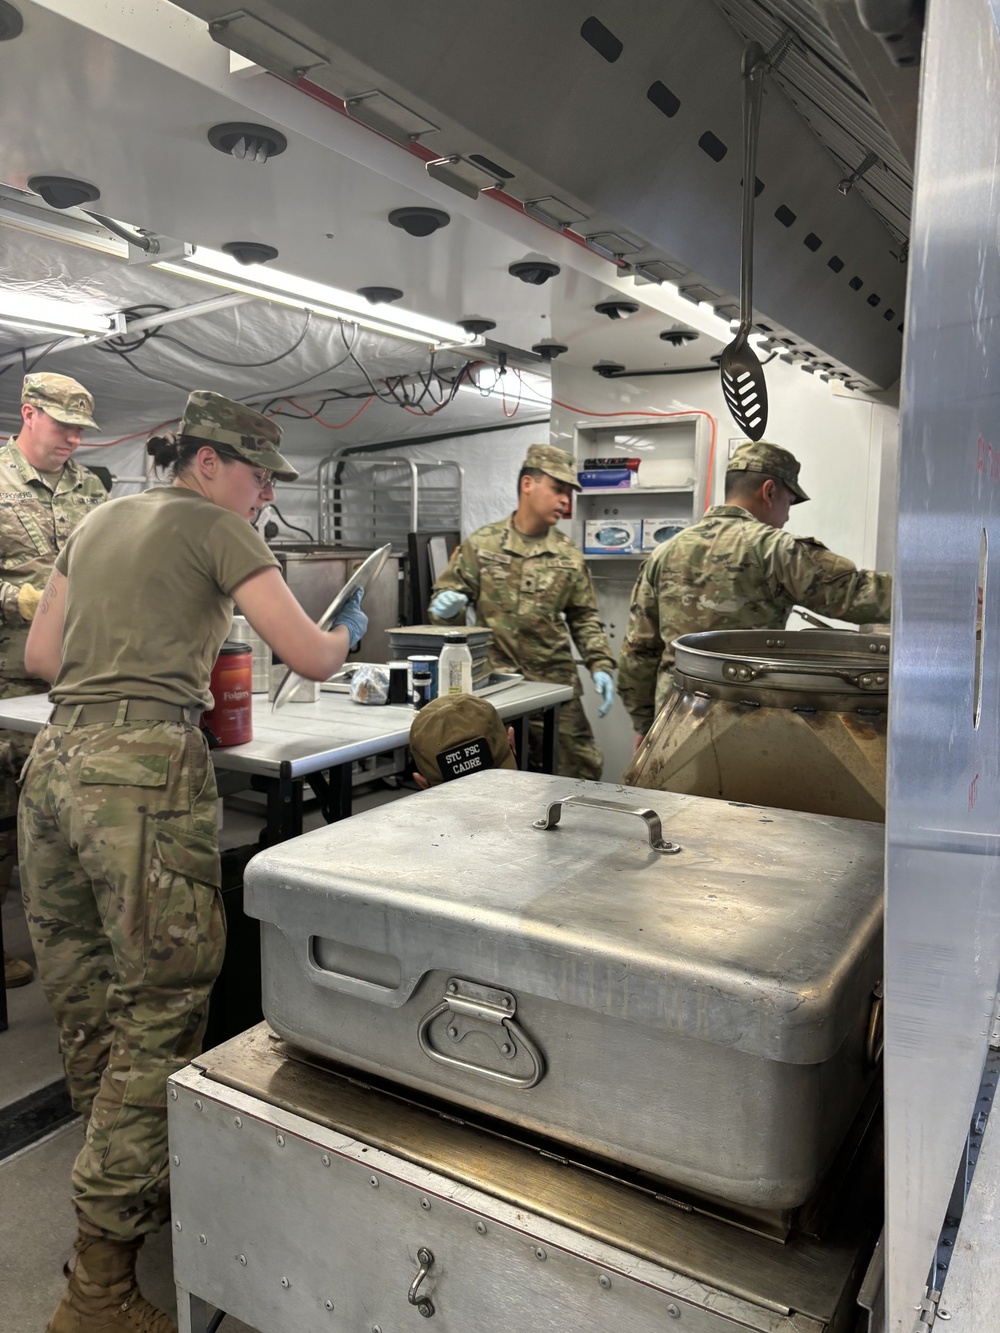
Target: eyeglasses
{"x": 263, "y": 478}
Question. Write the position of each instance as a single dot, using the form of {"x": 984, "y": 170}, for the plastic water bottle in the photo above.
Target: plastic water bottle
{"x": 455, "y": 666}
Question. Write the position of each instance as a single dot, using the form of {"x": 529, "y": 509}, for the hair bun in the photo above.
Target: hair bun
{"x": 163, "y": 449}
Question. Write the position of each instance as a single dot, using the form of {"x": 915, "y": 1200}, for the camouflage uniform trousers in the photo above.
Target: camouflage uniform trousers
{"x": 578, "y": 755}
{"x": 14, "y": 749}
{"x": 120, "y": 873}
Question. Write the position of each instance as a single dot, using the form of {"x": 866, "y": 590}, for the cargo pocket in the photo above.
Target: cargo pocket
{"x": 128, "y": 1137}
{"x": 186, "y": 932}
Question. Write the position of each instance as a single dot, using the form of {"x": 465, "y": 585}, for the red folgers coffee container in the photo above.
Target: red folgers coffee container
{"x": 231, "y": 719}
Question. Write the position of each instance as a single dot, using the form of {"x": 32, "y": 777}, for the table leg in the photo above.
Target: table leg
{"x": 334, "y": 790}
{"x": 550, "y": 738}
{"x": 520, "y": 725}
{"x": 7, "y": 825}
{"x": 284, "y": 807}
{"x": 192, "y": 1313}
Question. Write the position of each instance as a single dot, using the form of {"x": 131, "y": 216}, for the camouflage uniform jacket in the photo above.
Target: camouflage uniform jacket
{"x": 34, "y": 524}
{"x": 528, "y": 590}
{"x": 730, "y": 571}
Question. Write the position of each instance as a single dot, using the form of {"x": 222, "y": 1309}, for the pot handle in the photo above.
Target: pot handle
{"x": 875, "y": 1036}
{"x": 649, "y": 817}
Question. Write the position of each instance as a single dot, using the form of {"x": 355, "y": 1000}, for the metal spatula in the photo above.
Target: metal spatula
{"x": 742, "y": 374}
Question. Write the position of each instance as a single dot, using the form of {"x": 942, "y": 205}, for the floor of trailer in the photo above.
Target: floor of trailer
{"x": 40, "y": 1136}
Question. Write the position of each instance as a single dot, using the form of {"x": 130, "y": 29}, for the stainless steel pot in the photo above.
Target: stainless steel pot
{"x": 794, "y": 719}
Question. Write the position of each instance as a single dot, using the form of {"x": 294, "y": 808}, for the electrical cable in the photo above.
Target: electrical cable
{"x": 327, "y": 424}
{"x": 135, "y": 238}
{"x": 294, "y": 527}
{"x": 239, "y": 365}
{"x": 215, "y": 1321}
{"x": 159, "y": 379}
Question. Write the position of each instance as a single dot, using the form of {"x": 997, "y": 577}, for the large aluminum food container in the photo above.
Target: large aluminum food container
{"x": 688, "y": 992}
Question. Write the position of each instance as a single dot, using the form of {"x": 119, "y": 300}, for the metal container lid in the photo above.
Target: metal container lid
{"x": 820, "y": 662}
{"x": 761, "y": 933}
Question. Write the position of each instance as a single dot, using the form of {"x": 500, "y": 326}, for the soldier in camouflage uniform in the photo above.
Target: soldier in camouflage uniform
{"x": 118, "y": 847}
{"x": 736, "y": 569}
{"x": 43, "y": 496}
{"x": 530, "y": 585}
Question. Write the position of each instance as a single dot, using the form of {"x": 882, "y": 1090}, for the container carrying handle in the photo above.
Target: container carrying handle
{"x": 649, "y": 817}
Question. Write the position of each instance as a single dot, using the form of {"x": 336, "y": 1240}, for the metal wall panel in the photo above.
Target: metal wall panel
{"x": 943, "y": 907}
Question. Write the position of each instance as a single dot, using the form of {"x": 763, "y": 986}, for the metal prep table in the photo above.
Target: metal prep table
{"x": 305, "y": 1199}
{"x": 317, "y": 743}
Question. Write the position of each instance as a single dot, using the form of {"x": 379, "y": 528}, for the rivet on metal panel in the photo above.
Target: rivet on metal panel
{"x": 173, "y": 1094}
{"x": 540, "y": 1253}
{"x": 452, "y": 987}
{"x": 328, "y": 1305}
{"x": 373, "y": 1181}
{"x": 285, "y": 1282}
{"x": 505, "y": 1049}
{"x": 453, "y": 1032}
{"x": 197, "y": 1105}
{"x": 944, "y": 1314}
{"x": 605, "y": 1281}
{"x": 243, "y": 1259}
{"x": 481, "y": 1228}
{"x": 178, "y": 1227}
{"x": 376, "y": 1328}
{"x": 279, "y": 1140}
{"x": 505, "y": 1001}
{"x": 673, "y": 1312}
{"x": 203, "y": 1239}
{"x": 175, "y": 1160}
{"x": 238, "y": 1122}
{"x": 325, "y": 1159}
{"x": 425, "y": 1204}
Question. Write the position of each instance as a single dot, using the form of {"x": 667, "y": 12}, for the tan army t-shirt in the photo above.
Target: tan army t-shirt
{"x": 149, "y": 601}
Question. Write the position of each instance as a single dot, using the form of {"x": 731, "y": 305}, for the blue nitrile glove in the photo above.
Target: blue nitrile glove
{"x": 606, "y": 689}
{"x": 352, "y": 617}
{"x": 448, "y": 604}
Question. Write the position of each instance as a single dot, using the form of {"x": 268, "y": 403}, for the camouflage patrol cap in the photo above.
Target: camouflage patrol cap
{"x": 773, "y": 461}
{"x": 458, "y": 734}
{"x": 61, "y": 398}
{"x": 557, "y": 463}
{"x": 217, "y": 420}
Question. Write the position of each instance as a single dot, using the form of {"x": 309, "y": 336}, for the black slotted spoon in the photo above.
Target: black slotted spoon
{"x": 742, "y": 374}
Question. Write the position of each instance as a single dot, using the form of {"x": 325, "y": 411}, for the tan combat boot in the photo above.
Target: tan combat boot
{"x": 103, "y": 1296}
{"x": 16, "y": 972}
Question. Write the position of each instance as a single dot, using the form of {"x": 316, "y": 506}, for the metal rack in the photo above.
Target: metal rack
{"x": 365, "y": 502}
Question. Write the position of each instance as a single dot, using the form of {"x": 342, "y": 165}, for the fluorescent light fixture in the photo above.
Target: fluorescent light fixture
{"x": 270, "y": 284}
{"x": 51, "y": 315}
{"x": 72, "y": 227}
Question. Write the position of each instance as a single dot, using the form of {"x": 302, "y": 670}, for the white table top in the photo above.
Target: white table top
{"x": 300, "y": 738}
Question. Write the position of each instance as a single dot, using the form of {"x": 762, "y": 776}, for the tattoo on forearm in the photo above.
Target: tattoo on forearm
{"x": 48, "y": 597}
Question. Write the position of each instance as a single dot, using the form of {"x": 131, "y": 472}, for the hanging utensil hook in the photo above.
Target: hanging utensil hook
{"x": 848, "y": 183}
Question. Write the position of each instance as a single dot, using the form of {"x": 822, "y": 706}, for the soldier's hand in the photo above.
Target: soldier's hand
{"x": 352, "y": 618}
{"x": 606, "y": 689}
{"x": 448, "y": 604}
{"x": 640, "y": 737}
{"x": 27, "y": 601}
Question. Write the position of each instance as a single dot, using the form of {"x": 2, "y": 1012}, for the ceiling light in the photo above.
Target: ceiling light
{"x": 251, "y": 143}
{"x": 548, "y": 349}
{"x": 380, "y": 295}
{"x": 533, "y": 271}
{"x": 331, "y": 302}
{"x": 250, "y": 252}
{"x": 52, "y": 315}
{"x": 616, "y": 309}
{"x": 419, "y": 221}
{"x": 32, "y": 218}
{"x": 63, "y": 191}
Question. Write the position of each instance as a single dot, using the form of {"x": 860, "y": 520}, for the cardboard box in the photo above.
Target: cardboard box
{"x": 612, "y": 536}
{"x": 607, "y": 478}
{"x": 657, "y": 530}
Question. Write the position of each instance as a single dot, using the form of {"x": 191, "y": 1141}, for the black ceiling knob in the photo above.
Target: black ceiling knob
{"x": 250, "y": 252}
{"x": 419, "y": 221}
{"x": 11, "y": 22}
{"x": 380, "y": 295}
{"x": 63, "y": 191}
{"x": 608, "y": 369}
{"x": 477, "y": 326}
{"x": 548, "y": 349}
{"x": 250, "y": 143}
{"x": 533, "y": 271}
{"x": 679, "y": 336}
{"x": 616, "y": 308}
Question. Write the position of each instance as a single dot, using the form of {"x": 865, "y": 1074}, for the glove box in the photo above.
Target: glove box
{"x": 684, "y": 986}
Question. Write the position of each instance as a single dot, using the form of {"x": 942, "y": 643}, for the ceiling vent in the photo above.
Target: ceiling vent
{"x": 245, "y": 142}
{"x": 419, "y": 221}
{"x": 63, "y": 191}
{"x": 380, "y": 295}
{"x": 548, "y": 349}
{"x": 476, "y": 325}
{"x": 250, "y": 252}
{"x": 11, "y": 22}
{"x": 617, "y": 309}
{"x": 679, "y": 336}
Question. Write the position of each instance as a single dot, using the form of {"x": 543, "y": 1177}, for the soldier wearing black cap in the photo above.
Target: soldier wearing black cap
{"x": 736, "y": 569}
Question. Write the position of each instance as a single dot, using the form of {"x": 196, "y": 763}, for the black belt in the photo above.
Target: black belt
{"x": 124, "y": 710}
